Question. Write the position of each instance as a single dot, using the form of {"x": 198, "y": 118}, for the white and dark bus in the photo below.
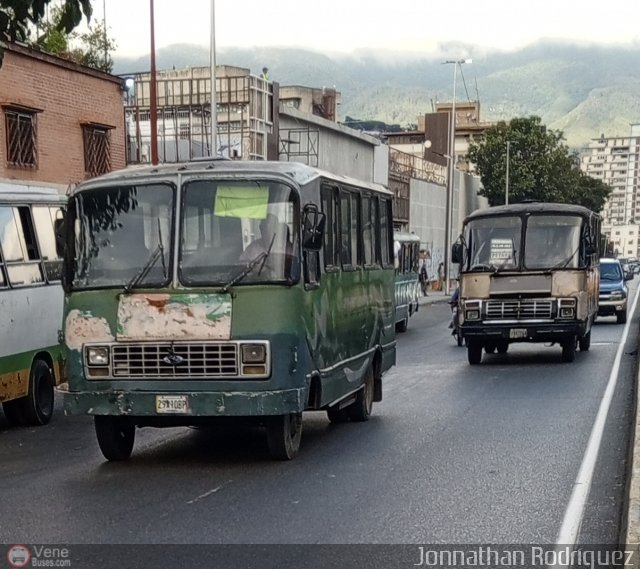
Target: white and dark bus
{"x": 31, "y": 301}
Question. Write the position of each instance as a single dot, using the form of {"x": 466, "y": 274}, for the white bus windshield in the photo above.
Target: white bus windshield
{"x": 494, "y": 243}
{"x": 552, "y": 242}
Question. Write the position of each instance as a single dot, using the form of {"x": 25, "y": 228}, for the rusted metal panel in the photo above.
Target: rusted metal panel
{"x": 174, "y": 317}
{"x": 83, "y": 327}
{"x": 14, "y": 385}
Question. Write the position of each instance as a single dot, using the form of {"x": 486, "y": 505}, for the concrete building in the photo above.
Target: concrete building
{"x": 246, "y": 121}
{"x": 61, "y": 122}
{"x": 253, "y": 123}
{"x": 325, "y": 144}
{"x": 313, "y": 101}
{"x": 624, "y": 239}
{"x": 418, "y": 177}
{"x": 616, "y": 161}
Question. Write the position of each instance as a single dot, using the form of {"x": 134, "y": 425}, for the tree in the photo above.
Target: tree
{"x": 95, "y": 48}
{"x": 16, "y": 17}
{"x": 541, "y": 167}
{"x": 49, "y": 37}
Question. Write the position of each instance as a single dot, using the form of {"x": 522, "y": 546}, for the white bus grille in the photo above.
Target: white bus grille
{"x": 175, "y": 360}
{"x": 528, "y": 309}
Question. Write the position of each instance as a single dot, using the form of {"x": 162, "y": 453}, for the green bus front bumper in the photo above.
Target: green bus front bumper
{"x": 200, "y": 404}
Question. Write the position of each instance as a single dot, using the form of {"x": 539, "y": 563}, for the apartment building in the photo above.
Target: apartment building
{"x": 60, "y": 122}
{"x": 623, "y": 238}
{"x": 615, "y": 161}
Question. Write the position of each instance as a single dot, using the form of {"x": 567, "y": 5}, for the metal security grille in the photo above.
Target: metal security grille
{"x": 97, "y": 150}
{"x": 21, "y": 138}
{"x": 528, "y": 309}
{"x": 184, "y": 360}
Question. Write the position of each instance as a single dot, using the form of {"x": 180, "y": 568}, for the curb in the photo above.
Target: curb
{"x": 437, "y": 300}
{"x": 631, "y": 519}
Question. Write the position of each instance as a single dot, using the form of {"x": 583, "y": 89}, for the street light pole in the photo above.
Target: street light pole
{"x": 506, "y": 189}
{"x": 214, "y": 96}
{"x": 450, "y": 178}
{"x": 153, "y": 111}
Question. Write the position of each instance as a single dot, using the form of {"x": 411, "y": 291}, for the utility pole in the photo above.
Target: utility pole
{"x": 450, "y": 179}
{"x": 153, "y": 111}
{"x": 104, "y": 38}
{"x": 214, "y": 96}
{"x": 506, "y": 189}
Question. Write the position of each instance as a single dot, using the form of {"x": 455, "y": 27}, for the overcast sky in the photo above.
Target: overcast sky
{"x": 347, "y": 25}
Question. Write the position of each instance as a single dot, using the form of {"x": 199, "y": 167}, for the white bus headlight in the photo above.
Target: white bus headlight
{"x": 567, "y": 308}
{"x": 98, "y": 356}
{"x": 254, "y": 354}
{"x": 472, "y": 310}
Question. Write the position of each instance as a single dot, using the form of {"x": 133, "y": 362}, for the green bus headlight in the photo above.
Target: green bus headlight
{"x": 98, "y": 356}
{"x": 254, "y": 354}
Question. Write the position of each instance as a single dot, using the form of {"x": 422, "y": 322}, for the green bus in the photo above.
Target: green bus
{"x": 222, "y": 289}
{"x": 31, "y": 299}
{"x": 407, "y": 260}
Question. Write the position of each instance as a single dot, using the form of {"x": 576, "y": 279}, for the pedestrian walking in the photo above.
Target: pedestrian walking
{"x": 424, "y": 278}
{"x": 441, "y": 276}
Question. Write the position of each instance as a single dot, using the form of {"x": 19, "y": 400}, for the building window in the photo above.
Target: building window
{"x": 97, "y": 149}
{"x": 185, "y": 131}
{"x": 21, "y": 137}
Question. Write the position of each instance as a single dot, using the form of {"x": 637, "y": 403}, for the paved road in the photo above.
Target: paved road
{"x": 454, "y": 454}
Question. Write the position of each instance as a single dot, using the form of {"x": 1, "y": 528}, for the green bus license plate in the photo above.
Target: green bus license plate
{"x": 172, "y": 404}
{"x": 517, "y": 333}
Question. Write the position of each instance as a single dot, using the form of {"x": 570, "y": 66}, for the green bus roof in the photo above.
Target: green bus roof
{"x": 297, "y": 172}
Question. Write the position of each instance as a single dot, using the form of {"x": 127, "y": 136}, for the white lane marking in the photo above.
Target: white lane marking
{"x": 575, "y": 509}
{"x": 198, "y": 498}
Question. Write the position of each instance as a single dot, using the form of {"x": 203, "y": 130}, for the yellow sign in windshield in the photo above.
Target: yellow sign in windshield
{"x": 237, "y": 201}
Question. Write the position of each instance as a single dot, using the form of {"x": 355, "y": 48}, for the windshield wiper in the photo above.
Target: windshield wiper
{"x": 260, "y": 258}
{"x": 157, "y": 253}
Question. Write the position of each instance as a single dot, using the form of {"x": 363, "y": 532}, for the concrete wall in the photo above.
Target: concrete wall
{"x": 427, "y": 213}
{"x": 338, "y": 149}
{"x": 67, "y": 96}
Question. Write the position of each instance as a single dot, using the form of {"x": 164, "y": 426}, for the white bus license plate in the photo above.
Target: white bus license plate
{"x": 517, "y": 333}
{"x": 172, "y": 404}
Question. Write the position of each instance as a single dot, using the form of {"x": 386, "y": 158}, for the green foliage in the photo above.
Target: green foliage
{"x": 96, "y": 49}
{"x": 541, "y": 167}
{"x": 16, "y": 17}
{"x": 50, "y": 38}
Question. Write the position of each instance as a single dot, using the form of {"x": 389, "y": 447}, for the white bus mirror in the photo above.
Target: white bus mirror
{"x": 456, "y": 253}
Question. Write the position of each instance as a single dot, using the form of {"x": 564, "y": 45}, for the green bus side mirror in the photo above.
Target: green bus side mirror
{"x": 456, "y": 252}
{"x": 313, "y": 222}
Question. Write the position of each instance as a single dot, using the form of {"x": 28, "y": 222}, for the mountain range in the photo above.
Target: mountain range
{"x": 583, "y": 90}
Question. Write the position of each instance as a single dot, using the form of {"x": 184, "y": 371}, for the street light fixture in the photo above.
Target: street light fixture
{"x": 450, "y": 175}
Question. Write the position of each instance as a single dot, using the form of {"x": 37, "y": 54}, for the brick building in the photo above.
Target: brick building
{"x": 60, "y": 122}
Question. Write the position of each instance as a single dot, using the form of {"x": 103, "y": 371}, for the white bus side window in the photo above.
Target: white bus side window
{"x": 44, "y": 218}
{"x": 19, "y": 247}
